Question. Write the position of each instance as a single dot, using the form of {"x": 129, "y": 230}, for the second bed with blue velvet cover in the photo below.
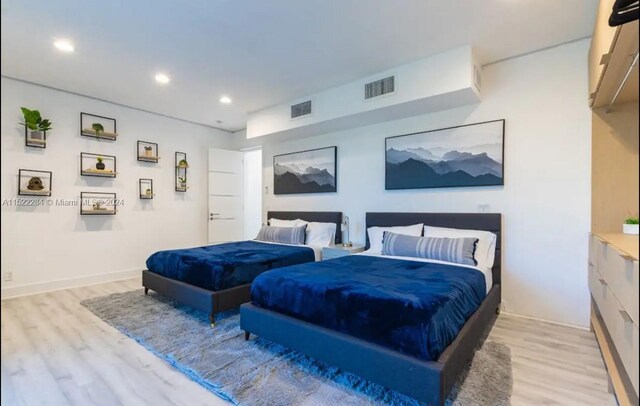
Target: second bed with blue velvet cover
{"x": 223, "y": 266}
{"x": 416, "y": 308}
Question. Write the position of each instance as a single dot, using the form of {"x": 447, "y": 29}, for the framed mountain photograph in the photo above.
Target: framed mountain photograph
{"x": 467, "y": 155}
{"x": 312, "y": 171}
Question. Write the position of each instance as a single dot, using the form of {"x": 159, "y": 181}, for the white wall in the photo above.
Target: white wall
{"x": 545, "y": 201}
{"x": 252, "y": 175}
{"x": 54, "y": 247}
{"x": 435, "y": 83}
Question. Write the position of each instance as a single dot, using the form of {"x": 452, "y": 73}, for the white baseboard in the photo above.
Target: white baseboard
{"x": 522, "y": 316}
{"x": 42, "y": 287}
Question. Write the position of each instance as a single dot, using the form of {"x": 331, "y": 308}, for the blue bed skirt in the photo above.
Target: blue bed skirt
{"x": 224, "y": 266}
{"x": 412, "y": 307}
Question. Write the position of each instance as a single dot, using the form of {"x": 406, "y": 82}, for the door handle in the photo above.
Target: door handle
{"x": 625, "y": 316}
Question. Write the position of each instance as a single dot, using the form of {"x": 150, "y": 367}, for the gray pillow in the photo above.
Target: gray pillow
{"x": 455, "y": 250}
{"x": 282, "y": 235}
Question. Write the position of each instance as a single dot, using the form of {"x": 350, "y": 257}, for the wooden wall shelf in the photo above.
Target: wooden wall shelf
{"x": 110, "y": 130}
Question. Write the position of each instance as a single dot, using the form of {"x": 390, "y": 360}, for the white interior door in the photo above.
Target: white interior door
{"x": 225, "y": 195}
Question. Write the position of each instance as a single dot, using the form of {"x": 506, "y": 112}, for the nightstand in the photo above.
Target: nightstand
{"x": 337, "y": 251}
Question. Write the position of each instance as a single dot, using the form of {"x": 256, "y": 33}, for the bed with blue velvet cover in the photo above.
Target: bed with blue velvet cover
{"x": 416, "y": 308}
{"x": 224, "y": 266}
{"x": 217, "y": 278}
{"x": 410, "y": 326}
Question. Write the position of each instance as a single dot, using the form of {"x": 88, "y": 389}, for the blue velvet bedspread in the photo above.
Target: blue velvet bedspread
{"x": 223, "y": 266}
{"x": 413, "y": 307}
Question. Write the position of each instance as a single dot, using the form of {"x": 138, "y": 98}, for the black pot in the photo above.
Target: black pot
{"x": 100, "y": 166}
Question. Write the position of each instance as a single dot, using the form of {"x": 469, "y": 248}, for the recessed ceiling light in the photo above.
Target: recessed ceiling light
{"x": 225, "y": 100}
{"x": 162, "y": 78}
{"x": 64, "y": 45}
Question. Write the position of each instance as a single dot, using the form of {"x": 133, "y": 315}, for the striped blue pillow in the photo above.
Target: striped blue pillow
{"x": 455, "y": 250}
{"x": 282, "y": 235}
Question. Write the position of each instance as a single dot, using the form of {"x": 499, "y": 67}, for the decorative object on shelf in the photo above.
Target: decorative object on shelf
{"x": 98, "y": 128}
{"x": 35, "y": 128}
{"x": 34, "y": 183}
{"x": 97, "y": 165}
{"x": 96, "y": 203}
{"x": 100, "y": 164}
{"x": 312, "y": 171}
{"x": 103, "y": 128}
{"x": 462, "y": 156}
{"x": 345, "y": 227}
{"x": 631, "y": 225}
{"x": 181, "y": 172}
{"x": 145, "y": 187}
{"x": 147, "y": 152}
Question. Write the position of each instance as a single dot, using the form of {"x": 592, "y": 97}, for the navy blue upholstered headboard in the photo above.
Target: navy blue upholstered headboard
{"x": 315, "y": 216}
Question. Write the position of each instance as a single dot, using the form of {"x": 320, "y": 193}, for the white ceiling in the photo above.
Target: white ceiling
{"x": 259, "y": 52}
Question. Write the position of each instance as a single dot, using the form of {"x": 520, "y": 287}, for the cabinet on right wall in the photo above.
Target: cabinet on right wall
{"x": 613, "y": 281}
{"x": 613, "y": 256}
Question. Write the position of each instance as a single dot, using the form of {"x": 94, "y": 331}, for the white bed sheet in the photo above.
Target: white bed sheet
{"x": 317, "y": 250}
{"x": 488, "y": 273}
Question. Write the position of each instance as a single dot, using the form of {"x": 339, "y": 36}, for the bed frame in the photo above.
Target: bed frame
{"x": 214, "y": 302}
{"x": 427, "y": 381}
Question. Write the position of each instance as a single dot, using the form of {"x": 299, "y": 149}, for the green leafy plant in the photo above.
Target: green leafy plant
{"x": 98, "y": 128}
{"x": 100, "y": 159}
{"x": 183, "y": 163}
{"x": 632, "y": 220}
{"x": 34, "y": 121}
{"x": 182, "y": 180}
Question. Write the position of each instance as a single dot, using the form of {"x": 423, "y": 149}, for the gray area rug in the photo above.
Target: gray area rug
{"x": 258, "y": 372}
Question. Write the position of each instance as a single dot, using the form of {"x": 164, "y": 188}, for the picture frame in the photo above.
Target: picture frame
{"x": 469, "y": 155}
{"x": 309, "y": 171}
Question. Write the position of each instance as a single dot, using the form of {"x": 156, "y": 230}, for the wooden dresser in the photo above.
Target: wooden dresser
{"x": 613, "y": 281}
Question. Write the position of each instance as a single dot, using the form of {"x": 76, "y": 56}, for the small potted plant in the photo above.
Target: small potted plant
{"x": 100, "y": 164}
{"x": 630, "y": 225}
{"x": 98, "y": 128}
{"x": 148, "y": 192}
{"x": 148, "y": 150}
{"x": 34, "y": 122}
{"x": 183, "y": 163}
{"x": 183, "y": 182}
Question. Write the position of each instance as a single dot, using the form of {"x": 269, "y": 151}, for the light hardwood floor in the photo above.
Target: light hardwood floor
{"x": 54, "y": 351}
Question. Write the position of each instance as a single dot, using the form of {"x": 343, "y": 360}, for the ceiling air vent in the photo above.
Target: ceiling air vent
{"x": 379, "y": 87}
{"x": 301, "y": 109}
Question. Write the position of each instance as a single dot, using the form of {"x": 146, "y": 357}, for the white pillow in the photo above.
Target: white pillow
{"x": 376, "y": 234}
{"x": 320, "y": 234}
{"x": 485, "y": 253}
{"x": 284, "y": 223}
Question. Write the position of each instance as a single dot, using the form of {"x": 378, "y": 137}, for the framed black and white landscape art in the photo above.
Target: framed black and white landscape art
{"x": 467, "y": 155}
{"x": 312, "y": 171}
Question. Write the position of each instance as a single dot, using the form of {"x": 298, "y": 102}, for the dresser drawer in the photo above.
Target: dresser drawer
{"x": 621, "y": 274}
{"x": 624, "y": 335}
